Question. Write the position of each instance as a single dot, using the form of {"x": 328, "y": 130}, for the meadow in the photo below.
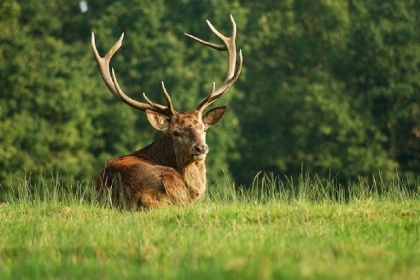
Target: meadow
{"x": 278, "y": 229}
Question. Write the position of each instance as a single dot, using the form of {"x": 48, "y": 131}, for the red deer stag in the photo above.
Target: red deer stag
{"x": 171, "y": 170}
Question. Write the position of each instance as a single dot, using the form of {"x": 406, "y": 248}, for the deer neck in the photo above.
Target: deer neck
{"x": 193, "y": 172}
{"x": 159, "y": 152}
{"x": 194, "y": 175}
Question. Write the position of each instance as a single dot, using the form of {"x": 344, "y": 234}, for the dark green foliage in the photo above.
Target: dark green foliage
{"x": 385, "y": 44}
{"x": 330, "y": 85}
{"x": 316, "y": 103}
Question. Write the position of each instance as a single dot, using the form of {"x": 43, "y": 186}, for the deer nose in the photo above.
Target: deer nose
{"x": 201, "y": 148}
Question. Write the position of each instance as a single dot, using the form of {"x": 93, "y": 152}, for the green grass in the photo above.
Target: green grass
{"x": 279, "y": 229}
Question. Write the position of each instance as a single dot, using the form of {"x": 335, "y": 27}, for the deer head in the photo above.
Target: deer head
{"x": 187, "y": 131}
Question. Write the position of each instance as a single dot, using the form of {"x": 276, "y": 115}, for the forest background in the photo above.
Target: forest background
{"x": 330, "y": 87}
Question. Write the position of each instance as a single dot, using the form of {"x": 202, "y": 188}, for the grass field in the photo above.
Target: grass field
{"x": 278, "y": 230}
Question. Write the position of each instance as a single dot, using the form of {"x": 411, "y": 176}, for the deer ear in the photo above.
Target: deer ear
{"x": 214, "y": 115}
{"x": 157, "y": 121}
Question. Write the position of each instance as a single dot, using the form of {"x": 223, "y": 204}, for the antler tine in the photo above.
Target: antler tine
{"x": 169, "y": 110}
{"x": 168, "y": 99}
{"x": 112, "y": 83}
{"x": 134, "y": 103}
{"x": 103, "y": 62}
{"x": 233, "y": 72}
{"x": 208, "y": 44}
{"x": 216, "y": 94}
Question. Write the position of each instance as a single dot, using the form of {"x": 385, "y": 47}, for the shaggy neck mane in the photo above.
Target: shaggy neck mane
{"x": 161, "y": 152}
{"x": 194, "y": 175}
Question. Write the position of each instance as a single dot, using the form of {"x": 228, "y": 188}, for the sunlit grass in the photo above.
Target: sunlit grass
{"x": 268, "y": 188}
{"x": 265, "y": 188}
{"x": 276, "y": 229}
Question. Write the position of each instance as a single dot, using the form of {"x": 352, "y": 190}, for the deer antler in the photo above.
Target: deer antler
{"x": 112, "y": 83}
{"x": 233, "y": 71}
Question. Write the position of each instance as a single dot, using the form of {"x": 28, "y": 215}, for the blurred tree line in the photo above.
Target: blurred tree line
{"x": 330, "y": 85}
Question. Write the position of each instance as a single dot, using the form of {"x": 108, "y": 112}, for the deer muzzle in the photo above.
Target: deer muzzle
{"x": 199, "y": 151}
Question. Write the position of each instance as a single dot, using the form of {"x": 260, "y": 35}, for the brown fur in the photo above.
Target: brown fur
{"x": 167, "y": 171}
{"x": 171, "y": 170}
